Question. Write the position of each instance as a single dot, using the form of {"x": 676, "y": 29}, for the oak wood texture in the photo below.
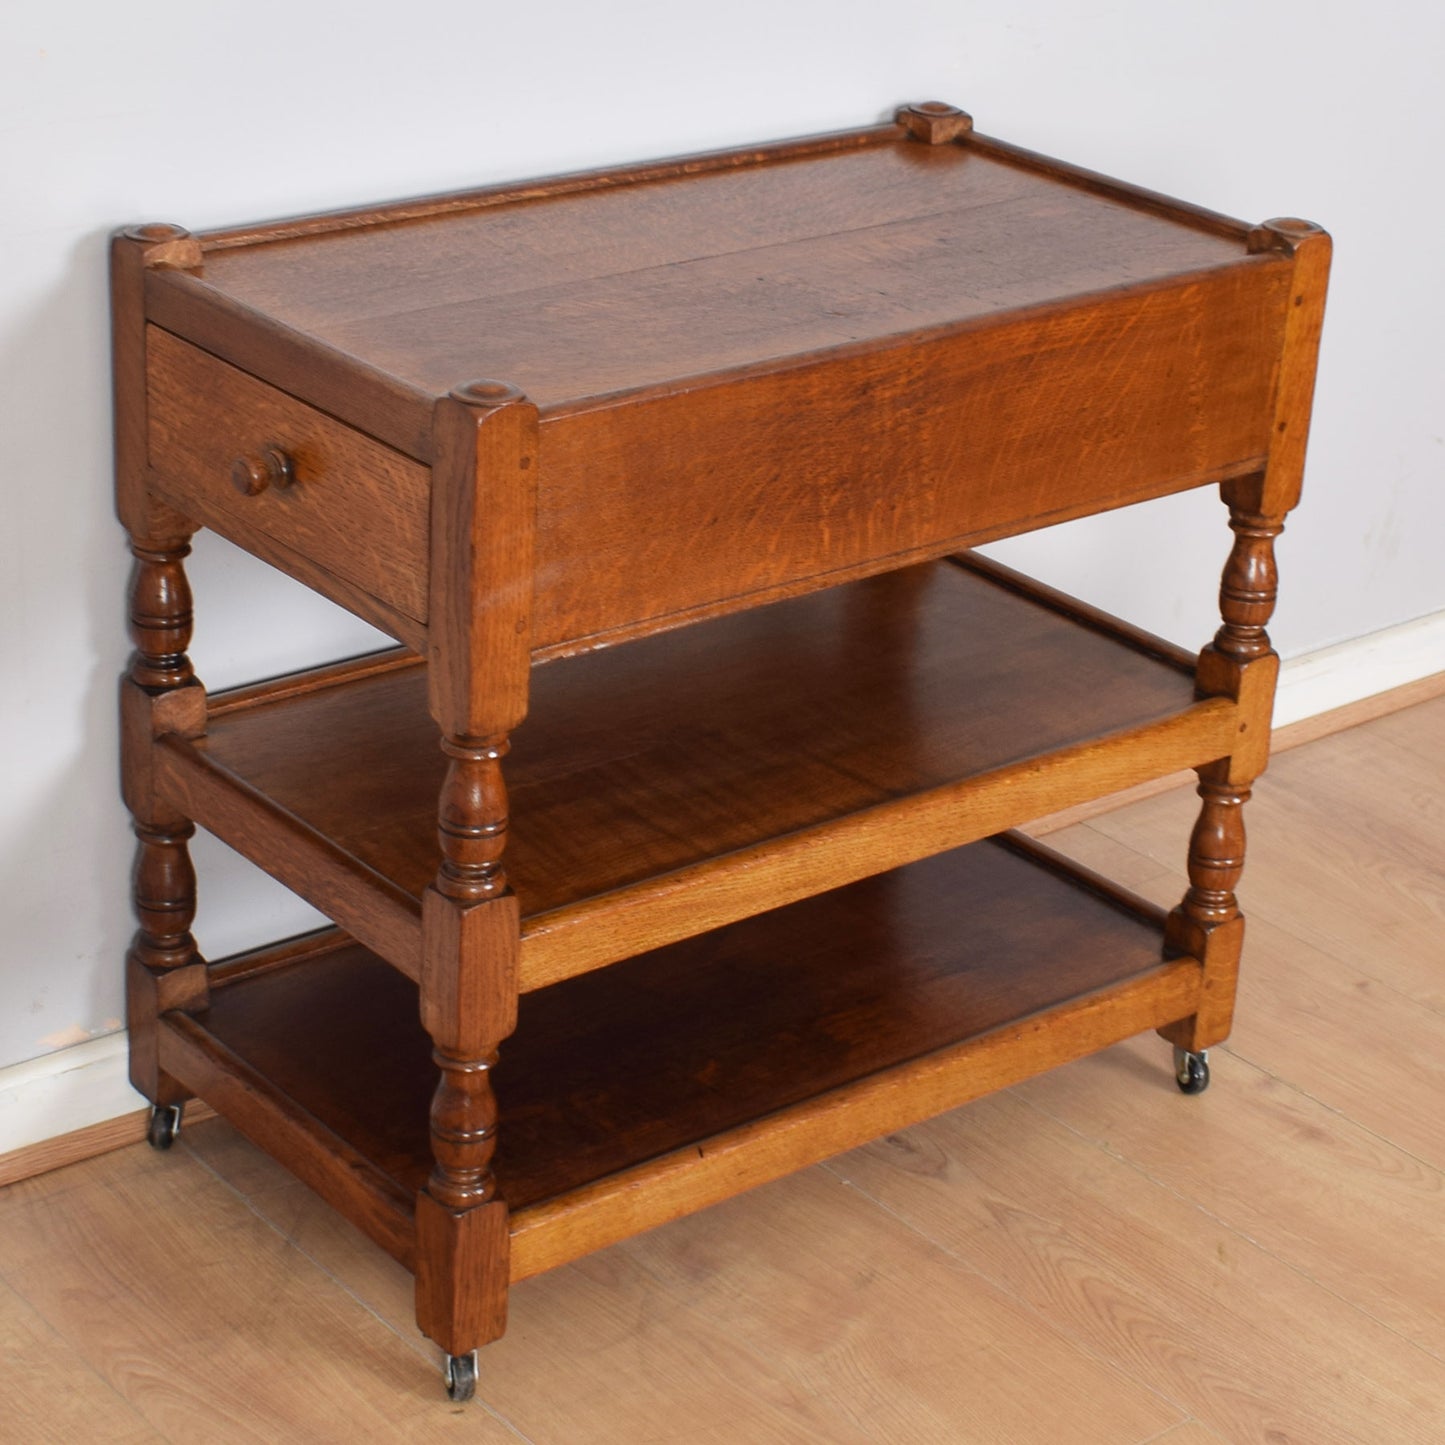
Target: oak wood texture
{"x": 135, "y": 255}
{"x": 731, "y": 411}
{"x": 160, "y": 694}
{"x": 1309, "y": 249}
{"x": 763, "y": 308}
{"x": 953, "y": 440}
{"x": 542, "y": 293}
{"x": 97, "y": 1139}
{"x": 322, "y": 1158}
{"x": 483, "y": 525}
{"x": 1240, "y": 663}
{"x": 1309, "y": 1235}
{"x": 730, "y": 767}
{"x": 682, "y": 1076}
{"x": 354, "y": 507}
{"x": 1282, "y": 739}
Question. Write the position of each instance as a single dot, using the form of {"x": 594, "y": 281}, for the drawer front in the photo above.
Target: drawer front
{"x": 350, "y": 506}
{"x": 754, "y": 488}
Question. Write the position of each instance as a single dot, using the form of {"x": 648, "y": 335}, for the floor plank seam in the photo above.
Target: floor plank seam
{"x": 1261, "y": 911}
{"x": 1236, "y": 1230}
{"x": 1169, "y": 1430}
{"x": 767, "y": 1362}
{"x": 1050, "y": 1322}
{"x": 1436, "y": 1012}
{"x": 418, "y": 1346}
{"x": 1431, "y": 1165}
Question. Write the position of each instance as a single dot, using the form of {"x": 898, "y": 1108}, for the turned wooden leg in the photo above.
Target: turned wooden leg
{"x": 471, "y": 932}
{"x": 159, "y": 695}
{"x": 1208, "y": 925}
{"x": 484, "y": 482}
{"x": 1239, "y": 663}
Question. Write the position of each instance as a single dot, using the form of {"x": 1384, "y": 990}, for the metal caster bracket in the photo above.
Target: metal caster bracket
{"x": 164, "y": 1125}
{"x": 461, "y": 1376}
{"x": 1191, "y": 1071}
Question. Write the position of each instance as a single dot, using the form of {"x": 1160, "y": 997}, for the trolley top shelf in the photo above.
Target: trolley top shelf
{"x": 643, "y": 279}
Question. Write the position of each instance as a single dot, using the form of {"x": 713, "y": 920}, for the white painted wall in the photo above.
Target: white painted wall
{"x": 208, "y": 114}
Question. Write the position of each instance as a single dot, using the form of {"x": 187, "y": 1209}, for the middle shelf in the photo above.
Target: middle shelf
{"x": 672, "y": 785}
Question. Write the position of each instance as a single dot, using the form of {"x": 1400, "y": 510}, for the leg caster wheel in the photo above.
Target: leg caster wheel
{"x": 1191, "y": 1071}
{"x": 165, "y": 1124}
{"x": 461, "y": 1376}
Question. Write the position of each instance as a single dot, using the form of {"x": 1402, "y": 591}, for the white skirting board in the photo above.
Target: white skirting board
{"x": 1333, "y": 677}
{"x": 68, "y": 1090}
{"x": 87, "y": 1084}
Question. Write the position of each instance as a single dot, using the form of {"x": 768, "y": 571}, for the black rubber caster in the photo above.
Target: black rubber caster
{"x": 1191, "y": 1071}
{"x": 461, "y": 1377}
{"x": 165, "y": 1124}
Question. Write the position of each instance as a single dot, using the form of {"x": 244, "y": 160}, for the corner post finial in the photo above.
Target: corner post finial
{"x": 165, "y": 245}
{"x": 934, "y": 122}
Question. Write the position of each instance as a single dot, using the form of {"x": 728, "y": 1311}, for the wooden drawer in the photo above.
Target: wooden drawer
{"x": 354, "y": 508}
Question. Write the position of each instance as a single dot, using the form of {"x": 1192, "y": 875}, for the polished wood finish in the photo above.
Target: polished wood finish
{"x": 934, "y": 121}
{"x": 661, "y": 325}
{"x": 356, "y": 508}
{"x": 958, "y": 414}
{"x": 603, "y": 292}
{"x": 1240, "y": 662}
{"x": 135, "y": 255}
{"x": 739, "y": 413}
{"x": 698, "y": 1070}
{"x": 483, "y": 520}
{"x": 322, "y": 1158}
{"x": 906, "y": 714}
{"x": 1309, "y": 249}
{"x": 160, "y": 696}
{"x": 1162, "y": 1259}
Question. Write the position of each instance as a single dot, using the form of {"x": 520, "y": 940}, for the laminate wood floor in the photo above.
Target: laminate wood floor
{"x": 1088, "y": 1259}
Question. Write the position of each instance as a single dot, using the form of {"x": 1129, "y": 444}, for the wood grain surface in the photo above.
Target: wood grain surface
{"x": 931, "y": 443}
{"x": 568, "y": 295}
{"x": 353, "y": 507}
{"x": 898, "y": 348}
{"x": 673, "y": 396}
{"x": 641, "y": 761}
{"x": 633, "y": 1062}
{"x": 1257, "y": 1265}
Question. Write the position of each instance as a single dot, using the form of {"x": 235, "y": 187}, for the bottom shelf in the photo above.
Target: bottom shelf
{"x": 637, "y": 1093}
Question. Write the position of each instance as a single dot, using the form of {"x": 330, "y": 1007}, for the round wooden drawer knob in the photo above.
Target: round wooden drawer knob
{"x": 270, "y": 467}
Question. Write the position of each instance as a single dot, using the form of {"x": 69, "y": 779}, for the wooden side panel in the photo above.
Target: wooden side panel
{"x": 351, "y": 505}
{"x": 792, "y": 477}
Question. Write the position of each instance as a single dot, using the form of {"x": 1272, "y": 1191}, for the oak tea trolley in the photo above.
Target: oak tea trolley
{"x": 664, "y": 478}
